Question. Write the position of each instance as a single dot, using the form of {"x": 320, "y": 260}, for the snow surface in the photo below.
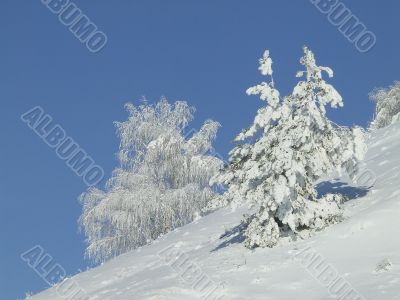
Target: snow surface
{"x": 364, "y": 249}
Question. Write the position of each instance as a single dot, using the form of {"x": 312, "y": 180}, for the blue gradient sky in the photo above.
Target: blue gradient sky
{"x": 204, "y": 52}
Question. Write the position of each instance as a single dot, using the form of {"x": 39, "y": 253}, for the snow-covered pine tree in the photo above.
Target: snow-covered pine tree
{"x": 290, "y": 145}
{"x": 387, "y": 105}
{"x": 162, "y": 182}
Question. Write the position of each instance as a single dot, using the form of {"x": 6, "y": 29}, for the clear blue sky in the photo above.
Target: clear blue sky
{"x": 204, "y": 52}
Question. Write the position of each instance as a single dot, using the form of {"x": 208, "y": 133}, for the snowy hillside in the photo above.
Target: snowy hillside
{"x": 363, "y": 252}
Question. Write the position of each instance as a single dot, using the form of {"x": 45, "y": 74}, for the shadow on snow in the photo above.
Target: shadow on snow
{"x": 339, "y": 187}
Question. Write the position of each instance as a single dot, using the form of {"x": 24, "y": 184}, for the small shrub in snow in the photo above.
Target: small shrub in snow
{"x": 387, "y": 105}
{"x": 383, "y": 266}
{"x": 290, "y": 145}
{"x": 162, "y": 182}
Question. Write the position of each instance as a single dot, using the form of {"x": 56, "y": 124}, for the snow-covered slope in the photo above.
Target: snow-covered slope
{"x": 352, "y": 251}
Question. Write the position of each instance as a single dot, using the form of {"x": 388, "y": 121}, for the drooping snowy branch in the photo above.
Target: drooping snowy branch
{"x": 162, "y": 182}
{"x": 387, "y": 105}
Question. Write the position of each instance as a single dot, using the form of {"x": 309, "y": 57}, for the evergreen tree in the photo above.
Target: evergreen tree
{"x": 289, "y": 146}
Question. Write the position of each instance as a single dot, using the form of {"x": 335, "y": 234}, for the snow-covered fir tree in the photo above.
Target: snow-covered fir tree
{"x": 387, "y": 105}
{"x": 290, "y": 145}
{"x": 162, "y": 182}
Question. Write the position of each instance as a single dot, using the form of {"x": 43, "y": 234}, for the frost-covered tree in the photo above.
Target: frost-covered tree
{"x": 290, "y": 145}
{"x": 387, "y": 105}
{"x": 162, "y": 182}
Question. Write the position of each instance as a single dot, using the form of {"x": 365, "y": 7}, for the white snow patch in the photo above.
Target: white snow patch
{"x": 366, "y": 239}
